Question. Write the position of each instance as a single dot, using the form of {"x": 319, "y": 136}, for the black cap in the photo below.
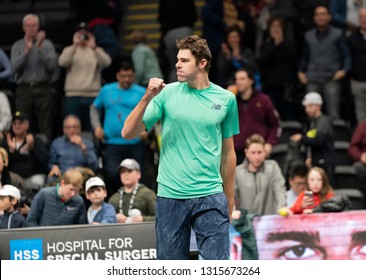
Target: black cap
{"x": 81, "y": 26}
{"x": 18, "y": 115}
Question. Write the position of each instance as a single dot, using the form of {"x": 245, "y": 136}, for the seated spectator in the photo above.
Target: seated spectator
{"x": 9, "y": 204}
{"x": 84, "y": 62}
{"x": 133, "y": 202}
{"x": 318, "y": 137}
{"x": 259, "y": 184}
{"x": 5, "y": 114}
{"x": 256, "y": 114}
{"x": 7, "y": 177}
{"x": 317, "y": 191}
{"x": 99, "y": 212}
{"x": 28, "y": 154}
{"x": 234, "y": 55}
{"x": 59, "y": 205}
{"x": 144, "y": 58}
{"x": 296, "y": 181}
{"x": 357, "y": 151}
{"x": 71, "y": 150}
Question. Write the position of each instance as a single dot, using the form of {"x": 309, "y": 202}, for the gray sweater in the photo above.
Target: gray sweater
{"x": 261, "y": 193}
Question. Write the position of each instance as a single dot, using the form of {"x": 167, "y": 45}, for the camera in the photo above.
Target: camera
{"x": 83, "y": 37}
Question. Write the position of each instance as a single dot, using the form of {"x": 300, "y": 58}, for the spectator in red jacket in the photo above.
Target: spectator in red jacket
{"x": 357, "y": 151}
{"x": 316, "y": 192}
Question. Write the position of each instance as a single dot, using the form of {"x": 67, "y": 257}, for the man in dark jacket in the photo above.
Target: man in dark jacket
{"x": 318, "y": 137}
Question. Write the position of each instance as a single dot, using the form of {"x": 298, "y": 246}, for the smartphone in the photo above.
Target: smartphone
{"x": 309, "y": 193}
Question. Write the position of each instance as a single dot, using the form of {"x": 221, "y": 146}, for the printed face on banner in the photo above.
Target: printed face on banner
{"x": 326, "y": 236}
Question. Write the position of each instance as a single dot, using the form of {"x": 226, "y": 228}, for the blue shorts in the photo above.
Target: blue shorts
{"x": 207, "y": 216}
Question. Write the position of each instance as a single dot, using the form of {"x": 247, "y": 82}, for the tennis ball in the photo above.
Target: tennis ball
{"x": 283, "y": 212}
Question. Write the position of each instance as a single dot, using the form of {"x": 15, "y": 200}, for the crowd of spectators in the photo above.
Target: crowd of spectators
{"x": 269, "y": 53}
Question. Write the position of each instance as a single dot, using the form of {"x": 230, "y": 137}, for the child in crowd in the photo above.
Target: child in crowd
{"x": 317, "y": 191}
{"x": 99, "y": 212}
{"x": 9, "y": 202}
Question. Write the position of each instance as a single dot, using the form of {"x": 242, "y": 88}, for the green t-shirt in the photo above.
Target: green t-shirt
{"x": 194, "y": 124}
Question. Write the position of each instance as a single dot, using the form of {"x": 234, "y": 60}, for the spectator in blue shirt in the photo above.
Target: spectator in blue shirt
{"x": 99, "y": 212}
{"x": 117, "y": 100}
{"x": 71, "y": 149}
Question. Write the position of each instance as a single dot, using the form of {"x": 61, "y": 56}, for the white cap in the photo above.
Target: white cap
{"x": 312, "y": 98}
{"x": 9, "y": 190}
{"x": 130, "y": 163}
{"x": 93, "y": 182}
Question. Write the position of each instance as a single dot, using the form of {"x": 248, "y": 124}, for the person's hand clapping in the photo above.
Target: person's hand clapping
{"x": 41, "y": 35}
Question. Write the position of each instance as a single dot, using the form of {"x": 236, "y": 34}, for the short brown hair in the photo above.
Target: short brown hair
{"x": 198, "y": 47}
{"x": 254, "y": 139}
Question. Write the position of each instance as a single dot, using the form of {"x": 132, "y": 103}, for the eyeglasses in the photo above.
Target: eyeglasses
{"x": 71, "y": 126}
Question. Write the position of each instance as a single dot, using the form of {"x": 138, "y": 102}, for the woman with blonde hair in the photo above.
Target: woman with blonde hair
{"x": 7, "y": 177}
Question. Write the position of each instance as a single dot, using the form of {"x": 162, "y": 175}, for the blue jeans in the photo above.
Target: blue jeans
{"x": 80, "y": 107}
{"x": 207, "y": 216}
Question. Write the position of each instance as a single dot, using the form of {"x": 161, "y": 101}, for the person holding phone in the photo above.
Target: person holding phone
{"x": 317, "y": 191}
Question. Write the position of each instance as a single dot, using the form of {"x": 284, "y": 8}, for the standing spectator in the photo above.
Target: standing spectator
{"x": 144, "y": 58}
{"x": 133, "y": 202}
{"x": 9, "y": 204}
{"x": 325, "y": 61}
{"x": 277, "y": 61}
{"x": 99, "y": 212}
{"x": 174, "y": 24}
{"x": 306, "y": 10}
{"x": 28, "y": 154}
{"x": 234, "y": 55}
{"x": 345, "y": 14}
{"x": 270, "y": 9}
{"x": 5, "y": 114}
{"x": 217, "y": 15}
{"x": 5, "y": 69}
{"x": 256, "y": 115}
{"x": 357, "y": 43}
{"x": 71, "y": 150}
{"x": 259, "y": 184}
{"x": 318, "y": 138}
{"x": 198, "y": 121}
{"x": 34, "y": 61}
{"x": 103, "y": 18}
{"x": 59, "y": 205}
{"x": 117, "y": 100}
{"x": 357, "y": 151}
{"x": 84, "y": 62}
